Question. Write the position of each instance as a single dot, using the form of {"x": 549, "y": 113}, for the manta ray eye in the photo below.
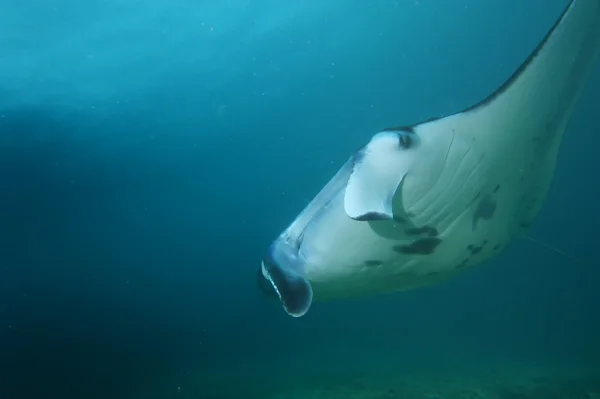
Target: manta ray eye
{"x": 404, "y": 140}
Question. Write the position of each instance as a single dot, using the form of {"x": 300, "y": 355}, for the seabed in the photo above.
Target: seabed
{"x": 307, "y": 380}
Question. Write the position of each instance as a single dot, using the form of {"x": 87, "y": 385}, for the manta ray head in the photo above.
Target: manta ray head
{"x": 397, "y": 176}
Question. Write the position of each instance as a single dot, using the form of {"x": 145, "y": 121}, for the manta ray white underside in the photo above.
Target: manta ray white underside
{"x": 419, "y": 203}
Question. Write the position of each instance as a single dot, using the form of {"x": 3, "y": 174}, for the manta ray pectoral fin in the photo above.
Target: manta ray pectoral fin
{"x": 378, "y": 171}
{"x": 282, "y": 269}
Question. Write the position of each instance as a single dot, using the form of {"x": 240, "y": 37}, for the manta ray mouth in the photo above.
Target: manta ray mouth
{"x": 265, "y": 285}
{"x": 293, "y": 290}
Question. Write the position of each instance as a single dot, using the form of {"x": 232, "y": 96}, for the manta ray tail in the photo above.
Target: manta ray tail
{"x": 551, "y": 248}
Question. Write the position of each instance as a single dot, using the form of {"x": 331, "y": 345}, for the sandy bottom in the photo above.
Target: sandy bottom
{"x": 296, "y": 379}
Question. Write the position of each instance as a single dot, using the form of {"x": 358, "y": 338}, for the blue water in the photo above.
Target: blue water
{"x": 150, "y": 152}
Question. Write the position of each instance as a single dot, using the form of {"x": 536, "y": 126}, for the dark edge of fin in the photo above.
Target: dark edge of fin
{"x": 373, "y": 216}
{"x": 504, "y": 86}
{"x": 508, "y": 82}
{"x": 293, "y": 290}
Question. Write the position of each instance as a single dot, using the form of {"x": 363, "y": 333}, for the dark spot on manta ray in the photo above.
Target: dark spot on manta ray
{"x": 373, "y": 263}
{"x": 475, "y": 198}
{"x": 372, "y": 216}
{"x": 474, "y": 249}
{"x": 462, "y": 264}
{"x": 496, "y": 188}
{"x": 496, "y": 247}
{"x": 485, "y": 210}
{"x": 525, "y": 225}
{"x": 415, "y": 231}
{"x": 423, "y": 246}
{"x": 405, "y": 141}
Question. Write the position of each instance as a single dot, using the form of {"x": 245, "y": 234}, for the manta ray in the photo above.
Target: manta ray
{"x": 420, "y": 203}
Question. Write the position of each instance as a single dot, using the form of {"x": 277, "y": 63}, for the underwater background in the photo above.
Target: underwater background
{"x": 150, "y": 151}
